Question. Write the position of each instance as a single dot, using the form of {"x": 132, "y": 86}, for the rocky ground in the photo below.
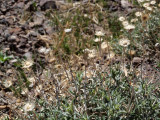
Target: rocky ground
{"x": 25, "y": 30}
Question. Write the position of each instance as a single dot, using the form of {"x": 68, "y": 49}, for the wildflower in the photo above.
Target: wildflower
{"x": 97, "y": 39}
{"x": 134, "y": 20}
{"x": 85, "y": 15}
{"x": 104, "y": 45}
{"x": 146, "y": 5}
{"x": 24, "y": 91}
{"x": 27, "y": 64}
{"x": 99, "y": 33}
{"x": 140, "y": 1}
{"x": 149, "y": 8}
{"x": 28, "y": 107}
{"x": 125, "y": 23}
{"x": 144, "y": 17}
{"x": 110, "y": 55}
{"x": 121, "y": 19}
{"x": 92, "y": 53}
{"x": 68, "y": 30}
{"x": 157, "y": 45}
{"x": 39, "y": 88}
{"x": 129, "y": 27}
{"x": 153, "y": 2}
{"x": 138, "y": 14}
{"x": 43, "y": 50}
{"x": 32, "y": 81}
{"x": 7, "y": 83}
{"x": 124, "y": 42}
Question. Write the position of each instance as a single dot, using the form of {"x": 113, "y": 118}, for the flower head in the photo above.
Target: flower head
{"x": 134, "y": 20}
{"x": 92, "y": 53}
{"x": 140, "y": 1}
{"x": 32, "y": 81}
{"x": 24, "y": 91}
{"x": 97, "y": 39}
{"x": 153, "y": 2}
{"x": 121, "y": 19}
{"x": 125, "y": 23}
{"x": 146, "y": 5}
{"x": 144, "y": 17}
{"x": 110, "y": 55}
{"x": 28, "y": 107}
{"x": 7, "y": 83}
{"x": 138, "y": 14}
{"x": 99, "y": 33}
{"x": 104, "y": 45}
{"x": 149, "y": 8}
{"x": 43, "y": 50}
{"x": 68, "y": 30}
{"x": 124, "y": 42}
{"x": 27, "y": 63}
{"x": 129, "y": 27}
{"x": 38, "y": 88}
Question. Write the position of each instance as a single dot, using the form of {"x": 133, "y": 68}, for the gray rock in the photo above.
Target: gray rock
{"x": 12, "y": 38}
{"x": 38, "y": 18}
{"x": 48, "y": 4}
{"x": 137, "y": 60}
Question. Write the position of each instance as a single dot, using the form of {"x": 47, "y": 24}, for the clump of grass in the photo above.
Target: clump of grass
{"x": 105, "y": 97}
{"x": 4, "y": 57}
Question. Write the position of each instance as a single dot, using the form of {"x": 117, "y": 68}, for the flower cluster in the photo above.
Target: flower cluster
{"x": 126, "y": 24}
{"x": 147, "y": 4}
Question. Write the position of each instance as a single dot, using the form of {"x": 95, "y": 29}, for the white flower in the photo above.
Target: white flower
{"x": 85, "y": 15}
{"x": 125, "y": 23}
{"x": 43, "y": 50}
{"x": 153, "y": 2}
{"x": 27, "y": 64}
{"x": 39, "y": 88}
{"x": 121, "y": 19}
{"x": 104, "y": 45}
{"x": 110, "y": 55}
{"x": 24, "y": 91}
{"x": 98, "y": 39}
{"x": 149, "y": 8}
{"x": 146, "y": 5}
{"x": 92, "y": 53}
{"x": 99, "y": 33}
{"x": 138, "y": 14}
{"x": 157, "y": 44}
{"x": 32, "y": 81}
{"x": 7, "y": 83}
{"x": 124, "y": 42}
{"x": 140, "y": 1}
{"x": 134, "y": 20}
{"x": 68, "y": 30}
{"x": 28, "y": 107}
{"x": 129, "y": 27}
